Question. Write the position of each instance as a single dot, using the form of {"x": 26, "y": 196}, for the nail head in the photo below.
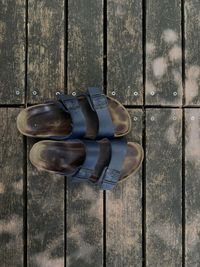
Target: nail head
{"x": 135, "y": 93}
{"x": 175, "y": 93}
{"x": 135, "y": 118}
{"x": 113, "y": 93}
{"x": 34, "y": 92}
{"x": 17, "y": 92}
{"x": 152, "y": 93}
{"x": 152, "y": 118}
{"x": 74, "y": 93}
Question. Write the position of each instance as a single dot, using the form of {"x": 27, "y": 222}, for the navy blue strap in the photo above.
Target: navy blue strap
{"x": 99, "y": 104}
{"x": 111, "y": 173}
{"x": 71, "y": 105}
{"x": 92, "y": 152}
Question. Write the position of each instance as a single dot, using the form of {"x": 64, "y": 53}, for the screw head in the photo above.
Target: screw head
{"x": 135, "y": 93}
{"x": 113, "y": 93}
{"x": 135, "y": 118}
{"x": 17, "y": 92}
{"x": 152, "y": 118}
{"x": 34, "y": 92}
{"x": 152, "y": 93}
{"x": 175, "y": 93}
{"x": 74, "y": 93}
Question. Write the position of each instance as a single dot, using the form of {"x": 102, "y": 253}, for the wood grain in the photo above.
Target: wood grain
{"x": 164, "y": 187}
{"x": 124, "y": 51}
{"x": 85, "y": 44}
{"x": 45, "y": 218}
{"x": 84, "y": 226}
{"x": 124, "y": 213}
{"x": 85, "y": 68}
{"x": 11, "y": 190}
{"x": 192, "y": 59}
{"x": 45, "y": 49}
{"x": 163, "y": 53}
{"x": 12, "y": 51}
{"x": 192, "y": 186}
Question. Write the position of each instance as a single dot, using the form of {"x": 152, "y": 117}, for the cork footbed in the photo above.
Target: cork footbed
{"x": 63, "y": 157}
{"x": 46, "y": 120}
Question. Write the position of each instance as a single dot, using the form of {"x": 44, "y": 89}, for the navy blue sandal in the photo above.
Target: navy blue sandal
{"x": 102, "y": 163}
{"x": 90, "y": 115}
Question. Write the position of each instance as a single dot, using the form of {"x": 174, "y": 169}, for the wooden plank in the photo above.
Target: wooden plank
{"x": 84, "y": 226}
{"x": 45, "y": 218}
{"x": 12, "y": 51}
{"x": 124, "y": 213}
{"x": 163, "y": 53}
{"x": 85, "y": 65}
{"x": 164, "y": 187}
{"x": 192, "y": 186}
{"x": 85, "y": 44}
{"x": 192, "y": 59}
{"x": 45, "y": 49}
{"x": 11, "y": 190}
{"x": 124, "y": 51}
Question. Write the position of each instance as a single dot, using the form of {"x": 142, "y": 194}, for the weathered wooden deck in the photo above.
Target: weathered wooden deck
{"x": 145, "y": 54}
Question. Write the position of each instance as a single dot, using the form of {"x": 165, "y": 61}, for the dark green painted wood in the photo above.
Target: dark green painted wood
{"x": 124, "y": 213}
{"x": 45, "y": 49}
{"x": 12, "y": 51}
{"x": 164, "y": 187}
{"x": 45, "y": 218}
{"x": 163, "y": 53}
{"x": 192, "y": 186}
{"x": 11, "y": 190}
{"x": 124, "y": 51}
{"x": 85, "y": 44}
{"x": 85, "y": 68}
{"x": 192, "y": 59}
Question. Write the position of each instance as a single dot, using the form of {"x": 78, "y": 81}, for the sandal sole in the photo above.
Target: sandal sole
{"x": 47, "y": 120}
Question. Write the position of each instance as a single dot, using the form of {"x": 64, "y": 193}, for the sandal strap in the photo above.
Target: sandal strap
{"x": 71, "y": 104}
{"x": 92, "y": 152}
{"x": 111, "y": 174}
{"x": 98, "y": 102}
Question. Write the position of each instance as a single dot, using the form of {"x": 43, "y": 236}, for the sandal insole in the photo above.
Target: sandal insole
{"x": 65, "y": 157}
{"x": 45, "y": 120}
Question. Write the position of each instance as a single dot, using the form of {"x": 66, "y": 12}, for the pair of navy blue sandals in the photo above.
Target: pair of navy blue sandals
{"x": 84, "y": 138}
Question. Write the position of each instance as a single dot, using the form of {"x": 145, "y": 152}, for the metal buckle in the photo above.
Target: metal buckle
{"x": 99, "y": 101}
{"x": 84, "y": 173}
{"x": 69, "y": 102}
{"x": 113, "y": 174}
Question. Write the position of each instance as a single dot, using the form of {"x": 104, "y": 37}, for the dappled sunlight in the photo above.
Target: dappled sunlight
{"x": 169, "y": 36}
{"x": 164, "y": 76}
